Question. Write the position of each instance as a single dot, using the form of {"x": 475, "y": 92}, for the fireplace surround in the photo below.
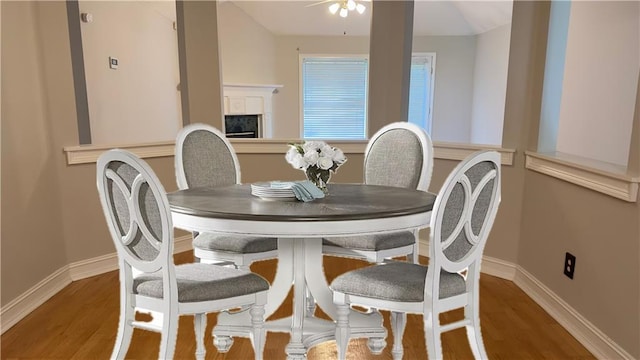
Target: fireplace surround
{"x": 248, "y": 110}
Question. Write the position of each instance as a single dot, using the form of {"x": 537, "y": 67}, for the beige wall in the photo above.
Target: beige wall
{"x": 32, "y": 229}
{"x": 247, "y": 49}
{"x": 141, "y": 95}
{"x": 490, "y": 85}
{"x": 52, "y": 217}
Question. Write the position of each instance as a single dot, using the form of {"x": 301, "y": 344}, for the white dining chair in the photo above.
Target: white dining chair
{"x": 462, "y": 217}
{"x": 137, "y": 212}
{"x": 401, "y": 155}
{"x": 204, "y": 157}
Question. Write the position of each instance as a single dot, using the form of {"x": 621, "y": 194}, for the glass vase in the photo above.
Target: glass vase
{"x": 319, "y": 178}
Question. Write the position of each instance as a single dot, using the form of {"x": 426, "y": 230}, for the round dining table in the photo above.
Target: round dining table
{"x": 347, "y": 210}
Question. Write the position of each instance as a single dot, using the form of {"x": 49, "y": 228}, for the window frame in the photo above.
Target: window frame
{"x": 301, "y": 58}
{"x": 432, "y": 84}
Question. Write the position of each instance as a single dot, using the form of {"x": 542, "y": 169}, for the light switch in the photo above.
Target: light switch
{"x": 113, "y": 62}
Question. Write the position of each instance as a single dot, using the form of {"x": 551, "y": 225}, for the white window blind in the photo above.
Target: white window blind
{"x": 334, "y": 98}
{"x": 420, "y": 91}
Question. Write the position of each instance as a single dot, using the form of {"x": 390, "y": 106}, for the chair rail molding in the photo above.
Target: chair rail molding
{"x": 603, "y": 177}
{"x": 86, "y": 154}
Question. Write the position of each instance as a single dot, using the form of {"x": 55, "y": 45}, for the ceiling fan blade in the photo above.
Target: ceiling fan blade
{"x": 320, "y": 3}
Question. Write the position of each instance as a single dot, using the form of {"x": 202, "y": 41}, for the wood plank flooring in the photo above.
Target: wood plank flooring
{"x": 80, "y": 323}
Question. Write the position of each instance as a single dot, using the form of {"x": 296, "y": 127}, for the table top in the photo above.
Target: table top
{"x": 344, "y": 202}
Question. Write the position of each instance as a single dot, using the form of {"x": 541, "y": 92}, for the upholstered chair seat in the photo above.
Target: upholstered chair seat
{"x": 396, "y": 281}
{"x": 203, "y": 282}
{"x": 234, "y": 244}
{"x": 372, "y": 242}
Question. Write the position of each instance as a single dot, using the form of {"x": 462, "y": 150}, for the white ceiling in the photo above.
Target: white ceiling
{"x": 448, "y": 17}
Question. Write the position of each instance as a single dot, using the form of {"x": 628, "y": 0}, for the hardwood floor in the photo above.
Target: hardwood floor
{"x": 80, "y": 323}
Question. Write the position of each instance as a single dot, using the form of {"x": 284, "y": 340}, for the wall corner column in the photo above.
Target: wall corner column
{"x": 389, "y": 63}
{"x": 200, "y": 63}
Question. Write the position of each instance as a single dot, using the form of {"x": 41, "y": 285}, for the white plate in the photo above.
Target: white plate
{"x": 269, "y": 198}
{"x": 264, "y": 190}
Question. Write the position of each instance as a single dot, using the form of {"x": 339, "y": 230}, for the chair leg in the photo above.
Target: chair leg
{"x": 125, "y": 331}
{"x": 398, "y": 322}
{"x": 169, "y": 335}
{"x": 474, "y": 334}
{"x": 200, "y": 323}
{"x": 432, "y": 335}
{"x": 311, "y": 303}
{"x": 414, "y": 256}
{"x": 376, "y": 344}
{"x": 222, "y": 343}
{"x": 257, "y": 330}
{"x": 342, "y": 330}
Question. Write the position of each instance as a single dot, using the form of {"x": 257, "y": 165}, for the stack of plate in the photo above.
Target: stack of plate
{"x": 281, "y": 191}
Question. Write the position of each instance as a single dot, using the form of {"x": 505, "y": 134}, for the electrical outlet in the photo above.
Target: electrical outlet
{"x": 113, "y": 63}
{"x": 569, "y": 265}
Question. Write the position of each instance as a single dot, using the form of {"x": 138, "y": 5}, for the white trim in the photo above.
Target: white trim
{"x": 87, "y": 154}
{"x": 498, "y": 268}
{"x": 457, "y": 151}
{"x": 182, "y": 244}
{"x": 592, "y": 338}
{"x": 31, "y": 299}
{"x": 91, "y": 267}
{"x": 432, "y": 84}
{"x": 604, "y": 178}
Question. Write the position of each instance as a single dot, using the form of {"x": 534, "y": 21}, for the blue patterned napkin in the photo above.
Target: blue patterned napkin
{"x": 303, "y": 190}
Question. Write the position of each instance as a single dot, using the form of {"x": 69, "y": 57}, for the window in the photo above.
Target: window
{"x": 334, "y": 95}
{"x": 334, "y": 98}
{"x": 421, "y": 90}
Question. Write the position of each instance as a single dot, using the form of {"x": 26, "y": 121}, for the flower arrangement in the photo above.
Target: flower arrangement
{"x": 317, "y": 159}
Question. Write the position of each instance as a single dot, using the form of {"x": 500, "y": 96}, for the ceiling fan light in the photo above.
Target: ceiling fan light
{"x": 351, "y": 5}
{"x": 333, "y": 8}
{"x": 344, "y": 12}
{"x": 360, "y": 8}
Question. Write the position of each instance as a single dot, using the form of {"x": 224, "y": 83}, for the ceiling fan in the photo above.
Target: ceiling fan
{"x": 343, "y": 6}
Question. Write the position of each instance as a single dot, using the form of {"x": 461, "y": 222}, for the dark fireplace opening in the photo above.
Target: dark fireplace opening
{"x": 242, "y": 126}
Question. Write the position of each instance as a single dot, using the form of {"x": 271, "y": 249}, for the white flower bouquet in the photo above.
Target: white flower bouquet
{"x": 317, "y": 159}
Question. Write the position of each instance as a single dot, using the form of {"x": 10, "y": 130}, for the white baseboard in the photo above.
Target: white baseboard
{"x": 592, "y": 338}
{"x": 91, "y": 267}
{"x": 182, "y": 243}
{"x": 24, "y": 304}
{"x": 31, "y": 299}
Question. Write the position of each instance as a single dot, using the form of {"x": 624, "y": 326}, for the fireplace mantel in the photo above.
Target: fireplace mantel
{"x": 251, "y": 99}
